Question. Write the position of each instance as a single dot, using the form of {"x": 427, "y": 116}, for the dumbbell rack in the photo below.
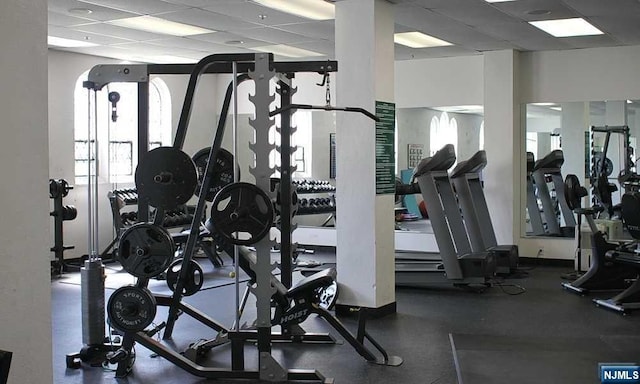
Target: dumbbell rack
{"x": 316, "y": 206}
{"x": 58, "y": 190}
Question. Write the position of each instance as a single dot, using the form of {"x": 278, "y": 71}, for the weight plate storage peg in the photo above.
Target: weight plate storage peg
{"x": 242, "y": 213}
{"x": 194, "y": 280}
{"x": 166, "y": 177}
{"x": 131, "y": 309}
{"x": 145, "y": 250}
{"x": 222, "y": 171}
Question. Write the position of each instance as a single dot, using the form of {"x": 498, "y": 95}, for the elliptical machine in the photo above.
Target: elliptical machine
{"x": 603, "y": 274}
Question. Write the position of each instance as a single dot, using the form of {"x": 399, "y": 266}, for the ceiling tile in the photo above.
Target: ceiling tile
{"x": 141, "y": 49}
{"x": 605, "y": 8}
{"x": 441, "y": 3}
{"x": 201, "y": 3}
{"x": 98, "y": 13}
{"x": 321, "y": 46}
{"x": 590, "y": 41}
{"x": 531, "y": 10}
{"x": 461, "y": 34}
{"x": 209, "y": 20}
{"x": 540, "y": 44}
{"x": 185, "y": 42}
{"x": 474, "y": 13}
{"x": 221, "y": 38}
{"x": 73, "y": 34}
{"x": 143, "y": 7}
{"x": 625, "y": 29}
{"x": 490, "y": 45}
{"x": 65, "y": 20}
{"x": 250, "y": 12}
{"x": 105, "y": 51}
{"x": 324, "y": 29}
{"x": 405, "y": 53}
{"x": 516, "y": 30}
{"x": 273, "y": 35}
{"x": 121, "y": 32}
{"x": 419, "y": 18}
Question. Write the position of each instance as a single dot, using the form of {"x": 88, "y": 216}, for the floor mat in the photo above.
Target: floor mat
{"x": 489, "y": 359}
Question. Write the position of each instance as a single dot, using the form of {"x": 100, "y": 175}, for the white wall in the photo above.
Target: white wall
{"x": 439, "y": 82}
{"x": 25, "y": 293}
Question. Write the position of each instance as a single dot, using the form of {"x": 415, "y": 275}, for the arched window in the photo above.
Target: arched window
{"x": 481, "y": 138}
{"x": 122, "y": 134}
{"x": 443, "y": 131}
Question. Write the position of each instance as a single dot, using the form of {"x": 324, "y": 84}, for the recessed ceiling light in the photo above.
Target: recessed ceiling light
{"x": 234, "y": 42}
{"x": 629, "y": 102}
{"x": 68, "y": 43}
{"x": 262, "y": 16}
{"x": 543, "y": 104}
{"x": 158, "y": 25}
{"x": 418, "y": 40}
{"x": 287, "y": 50}
{"x": 567, "y": 27}
{"x": 559, "y": 109}
{"x": 80, "y": 11}
{"x": 311, "y": 9}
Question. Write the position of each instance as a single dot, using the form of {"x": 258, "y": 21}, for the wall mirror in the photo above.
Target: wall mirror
{"x": 559, "y": 140}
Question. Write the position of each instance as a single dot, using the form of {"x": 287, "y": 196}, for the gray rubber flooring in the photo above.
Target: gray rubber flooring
{"x": 499, "y": 337}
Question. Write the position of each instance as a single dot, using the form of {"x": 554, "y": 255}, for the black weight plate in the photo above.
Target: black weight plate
{"x": 166, "y": 177}
{"x": 193, "y": 282}
{"x": 326, "y": 297}
{"x": 242, "y": 213}
{"x": 145, "y": 250}
{"x": 131, "y": 309}
{"x": 222, "y": 172}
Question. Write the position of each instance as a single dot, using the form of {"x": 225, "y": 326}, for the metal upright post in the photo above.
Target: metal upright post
{"x": 143, "y": 141}
{"x": 286, "y": 226}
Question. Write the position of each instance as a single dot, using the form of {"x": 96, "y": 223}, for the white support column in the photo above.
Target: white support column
{"x": 504, "y": 144}
{"x": 25, "y": 280}
{"x": 575, "y": 122}
{"x": 365, "y": 223}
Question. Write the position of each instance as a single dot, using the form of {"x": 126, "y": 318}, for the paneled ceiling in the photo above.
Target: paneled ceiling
{"x": 472, "y": 26}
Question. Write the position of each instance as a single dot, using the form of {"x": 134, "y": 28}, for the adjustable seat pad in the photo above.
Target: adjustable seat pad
{"x": 553, "y": 160}
{"x": 474, "y": 164}
{"x": 440, "y": 161}
{"x": 319, "y": 279}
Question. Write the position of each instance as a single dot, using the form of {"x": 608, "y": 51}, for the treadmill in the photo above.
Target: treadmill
{"x": 458, "y": 264}
{"x": 477, "y": 219}
{"x": 533, "y": 210}
{"x": 549, "y": 167}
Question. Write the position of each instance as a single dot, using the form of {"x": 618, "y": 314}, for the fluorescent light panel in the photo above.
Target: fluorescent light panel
{"x": 311, "y": 9}
{"x": 158, "y": 25}
{"x": 497, "y": 1}
{"x": 68, "y": 43}
{"x": 567, "y": 27}
{"x": 418, "y": 40}
{"x": 286, "y": 50}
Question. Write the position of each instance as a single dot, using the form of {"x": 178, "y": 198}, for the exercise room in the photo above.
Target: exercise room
{"x": 352, "y": 191}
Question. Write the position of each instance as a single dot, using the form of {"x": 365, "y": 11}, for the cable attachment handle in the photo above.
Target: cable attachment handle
{"x": 326, "y": 81}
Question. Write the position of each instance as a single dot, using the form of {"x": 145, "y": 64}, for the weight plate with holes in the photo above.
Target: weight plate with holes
{"x": 145, "y": 250}
{"x": 573, "y": 192}
{"x": 166, "y": 177}
{"x": 326, "y": 297}
{"x": 193, "y": 281}
{"x": 131, "y": 309}
{"x": 222, "y": 172}
{"x": 242, "y": 213}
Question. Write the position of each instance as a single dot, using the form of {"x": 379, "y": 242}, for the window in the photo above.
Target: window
{"x": 122, "y": 134}
{"x": 442, "y": 131}
{"x": 302, "y": 137}
{"x": 481, "y": 138}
